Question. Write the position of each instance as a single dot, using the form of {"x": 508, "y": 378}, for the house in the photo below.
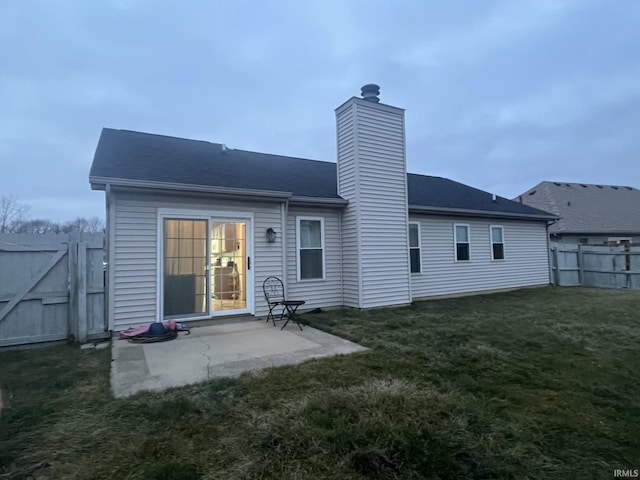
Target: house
{"x": 588, "y": 213}
{"x": 195, "y": 227}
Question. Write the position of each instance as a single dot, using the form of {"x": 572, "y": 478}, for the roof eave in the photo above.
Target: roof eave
{"x": 597, "y": 232}
{"x": 480, "y": 213}
{"x": 318, "y": 201}
{"x": 98, "y": 183}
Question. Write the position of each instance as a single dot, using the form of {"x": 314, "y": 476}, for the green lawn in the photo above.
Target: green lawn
{"x": 541, "y": 383}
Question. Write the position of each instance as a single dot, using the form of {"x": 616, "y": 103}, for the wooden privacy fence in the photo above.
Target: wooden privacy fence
{"x": 51, "y": 288}
{"x": 596, "y": 265}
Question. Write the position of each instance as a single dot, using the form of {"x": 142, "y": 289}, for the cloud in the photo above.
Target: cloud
{"x": 559, "y": 104}
{"x": 471, "y": 43}
{"x": 63, "y": 208}
{"x": 496, "y": 92}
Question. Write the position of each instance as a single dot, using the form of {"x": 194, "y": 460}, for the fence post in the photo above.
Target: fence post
{"x": 72, "y": 249}
{"x": 554, "y": 265}
{"x": 580, "y": 260}
{"x": 81, "y": 275}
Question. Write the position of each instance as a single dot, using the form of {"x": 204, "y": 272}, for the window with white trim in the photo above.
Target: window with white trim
{"x": 461, "y": 239}
{"x": 310, "y": 248}
{"x": 414, "y": 247}
{"x": 497, "y": 242}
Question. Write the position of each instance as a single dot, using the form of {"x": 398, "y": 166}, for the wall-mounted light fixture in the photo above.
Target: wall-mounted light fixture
{"x": 271, "y": 235}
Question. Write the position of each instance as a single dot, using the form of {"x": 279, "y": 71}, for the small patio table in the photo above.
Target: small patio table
{"x": 291, "y": 306}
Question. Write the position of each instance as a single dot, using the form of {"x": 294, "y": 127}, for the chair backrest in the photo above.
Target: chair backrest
{"x": 273, "y": 289}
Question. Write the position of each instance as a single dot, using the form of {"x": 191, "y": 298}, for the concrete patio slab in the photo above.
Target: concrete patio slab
{"x": 225, "y": 350}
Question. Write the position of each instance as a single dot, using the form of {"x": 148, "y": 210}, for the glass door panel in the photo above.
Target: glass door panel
{"x": 228, "y": 265}
{"x": 184, "y": 268}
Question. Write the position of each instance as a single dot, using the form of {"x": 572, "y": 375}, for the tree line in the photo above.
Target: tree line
{"x": 14, "y": 218}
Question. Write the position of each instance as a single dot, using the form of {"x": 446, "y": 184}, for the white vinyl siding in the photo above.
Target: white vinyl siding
{"x": 414, "y": 247}
{"x": 347, "y": 170}
{"x": 371, "y": 144}
{"x": 462, "y": 242}
{"x": 310, "y": 245}
{"x": 526, "y": 257}
{"x": 135, "y": 262}
{"x": 318, "y": 293}
{"x": 497, "y": 242}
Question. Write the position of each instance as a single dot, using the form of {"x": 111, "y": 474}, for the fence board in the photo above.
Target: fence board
{"x": 42, "y": 297}
{"x": 603, "y": 266}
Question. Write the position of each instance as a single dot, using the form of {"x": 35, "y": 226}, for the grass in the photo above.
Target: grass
{"x": 531, "y": 384}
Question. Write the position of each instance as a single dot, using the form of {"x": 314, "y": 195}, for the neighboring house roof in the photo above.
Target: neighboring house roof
{"x": 146, "y": 160}
{"x": 587, "y": 208}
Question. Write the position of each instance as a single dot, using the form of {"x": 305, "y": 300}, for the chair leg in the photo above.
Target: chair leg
{"x": 270, "y": 315}
{"x": 291, "y": 315}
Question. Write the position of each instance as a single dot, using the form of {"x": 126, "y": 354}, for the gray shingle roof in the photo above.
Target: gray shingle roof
{"x": 158, "y": 158}
{"x": 127, "y": 155}
{"x": 587, "y": 208}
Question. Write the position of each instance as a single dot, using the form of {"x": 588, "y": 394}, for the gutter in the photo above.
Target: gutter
{"x": 318, "y": 201}
{"x": 100, "y": 183}
{"x": 595, "y": 233}
{"x": 97, "y": 183}
{"x": 479, "y": 213}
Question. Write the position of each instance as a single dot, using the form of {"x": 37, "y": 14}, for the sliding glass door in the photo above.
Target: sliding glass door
{"x": 229, "y": 265}
{"x": 205, "y": 267}
{"x": 185, "y": 268}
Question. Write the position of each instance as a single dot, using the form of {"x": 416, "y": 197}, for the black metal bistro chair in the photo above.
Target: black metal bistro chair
{"x": 273, "y": 289}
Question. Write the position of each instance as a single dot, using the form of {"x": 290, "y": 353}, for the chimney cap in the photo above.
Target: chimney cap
{"x": 370, "y": 92}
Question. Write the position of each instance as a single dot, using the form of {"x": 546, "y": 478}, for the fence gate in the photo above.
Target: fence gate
{"x": 51, "y": 288}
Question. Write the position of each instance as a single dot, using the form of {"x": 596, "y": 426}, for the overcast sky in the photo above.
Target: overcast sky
{"x": 498, "y": 95}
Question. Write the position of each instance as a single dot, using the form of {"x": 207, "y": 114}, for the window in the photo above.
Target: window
{"x": 497, "y": 243}
{"x": 462, "y": 242}
{"x": 310, "y": 248}
{"x": 414, "y": 247}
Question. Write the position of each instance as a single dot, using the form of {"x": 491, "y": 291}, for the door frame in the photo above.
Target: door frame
{"x": 209, "y": 216}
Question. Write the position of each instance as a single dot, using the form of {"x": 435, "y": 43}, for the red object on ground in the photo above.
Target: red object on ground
{"x": 135, "y": 331}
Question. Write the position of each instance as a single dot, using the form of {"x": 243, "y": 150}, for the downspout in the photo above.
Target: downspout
{"x": 284, "y": 212}
{"x": 108, "y": 274}
{"x": 549, "y": 255}
{"x": 341, "y": 260}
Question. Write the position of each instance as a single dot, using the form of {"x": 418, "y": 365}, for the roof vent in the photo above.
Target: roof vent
{"x": 614, "y": 187}
{"x": 599, "y": 186}
{"x": 557, "y": 184}
{"x": 370, "y": 92}
{"x": 493, "y": 198}
{"x": 583, "y": 185}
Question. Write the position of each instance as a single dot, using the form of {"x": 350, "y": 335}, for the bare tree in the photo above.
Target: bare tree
{"x": 36, "y": 225}
{"x": 83, "y": 225}
{"x": 13, "y": 219}
{"x": 12, "y": 212}
{"x": 96, "y": 225}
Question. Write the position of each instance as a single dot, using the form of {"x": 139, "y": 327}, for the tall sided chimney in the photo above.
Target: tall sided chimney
{"x": 372, "y": 175}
